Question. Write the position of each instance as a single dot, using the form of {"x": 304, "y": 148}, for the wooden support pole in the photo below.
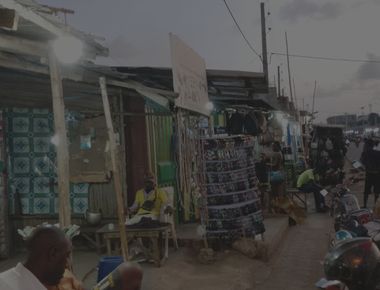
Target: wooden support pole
{"x": 123, "y": 156}
{"x": 61, "y": 142}
{"x": 148, "y": 137}
{"x": 154, "y": 132}
{"x": 115, "y": 168}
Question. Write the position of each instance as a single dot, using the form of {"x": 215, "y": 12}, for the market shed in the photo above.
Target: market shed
{"x": 42, "y": 102}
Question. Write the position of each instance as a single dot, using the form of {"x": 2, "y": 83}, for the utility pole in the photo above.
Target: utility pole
{"x": 295, "y": 95}
{"x": 346, "y": 120}
{"x": 264, "y": 42}
{"x": 315, "y": 90}
{"x": 296, "y": 102}
{"x": 289, "y": 75}
{"x": 279, "y": 80}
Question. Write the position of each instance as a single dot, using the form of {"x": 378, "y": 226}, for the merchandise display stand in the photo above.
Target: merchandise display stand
{"x": 233, "y": 202}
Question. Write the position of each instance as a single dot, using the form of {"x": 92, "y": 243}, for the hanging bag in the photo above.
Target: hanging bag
{"x": 148, "y": 204}
{"x": 276, "y": 177}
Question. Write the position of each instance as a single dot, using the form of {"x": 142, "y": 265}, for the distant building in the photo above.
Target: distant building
{"x": 345, "y": 120}
{"x": 362, "y": 120}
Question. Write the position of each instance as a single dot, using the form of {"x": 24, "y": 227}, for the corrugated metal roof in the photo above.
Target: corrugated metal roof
{"x": 224, "y": 86}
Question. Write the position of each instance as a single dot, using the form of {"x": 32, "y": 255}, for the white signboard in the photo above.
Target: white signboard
{"x": 189, "y": 77}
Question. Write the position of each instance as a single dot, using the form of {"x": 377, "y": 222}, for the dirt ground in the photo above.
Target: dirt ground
{"x": 231, "y": 271}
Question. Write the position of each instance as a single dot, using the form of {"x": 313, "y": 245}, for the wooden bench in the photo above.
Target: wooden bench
{"x": 297, "y": 195}
{"x": 153, "y": 234}
{"x": 88, "y": 233}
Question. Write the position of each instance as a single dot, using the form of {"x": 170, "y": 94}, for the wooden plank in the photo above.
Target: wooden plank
{"x": 8, "y": 60}
{"x": 148, "y": 92}
{"x": 23, "y": 46}
{"x": 32, "y": 16}
{"x": 62, "y": 145}
{"x": 58, "y": 30}
{"x": 8, "y": 19}
{"x": 115, "y": 166}
{"x": 16, "y": 63}
{"x": 129, "y": 84}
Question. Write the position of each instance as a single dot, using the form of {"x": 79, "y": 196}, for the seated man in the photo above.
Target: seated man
{"x": 307, "y": 182}
{"x": 149, "y": 201}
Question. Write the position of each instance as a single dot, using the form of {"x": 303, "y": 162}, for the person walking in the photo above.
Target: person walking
{"x": 370, "y": 158}
{"x": 276, "y": 174}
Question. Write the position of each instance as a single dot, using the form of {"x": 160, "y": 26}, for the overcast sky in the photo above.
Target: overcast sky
{"x": 136, "y": 31}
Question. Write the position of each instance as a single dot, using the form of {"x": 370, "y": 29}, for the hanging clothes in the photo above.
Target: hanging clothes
{"x": 251, "y": 124}
{"x": 262, "y": 122}
{"x": 235, "y": 124}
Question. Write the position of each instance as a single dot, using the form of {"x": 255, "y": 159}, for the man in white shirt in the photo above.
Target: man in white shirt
{"x": 48, "y": 252}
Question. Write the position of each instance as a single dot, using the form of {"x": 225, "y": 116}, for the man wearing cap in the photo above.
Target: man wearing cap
{"x": 149, "y": 201}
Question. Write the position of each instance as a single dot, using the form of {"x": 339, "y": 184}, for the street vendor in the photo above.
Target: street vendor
{"x": 308, "y": 182}
{"x": 149, "y": 202}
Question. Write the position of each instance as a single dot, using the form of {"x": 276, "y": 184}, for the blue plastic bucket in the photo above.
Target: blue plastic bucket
{"x": 107, "y": 265}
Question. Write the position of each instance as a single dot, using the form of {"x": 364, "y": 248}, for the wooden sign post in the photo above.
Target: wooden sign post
{"x": 115, "y": 168}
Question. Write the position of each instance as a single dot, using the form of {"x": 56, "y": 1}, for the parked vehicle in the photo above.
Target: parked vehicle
{"x": 347, "y": 214}
{"x": 355, "y": 263}
{"x": 373, "y": 229}
{"x": 342, "y": 201}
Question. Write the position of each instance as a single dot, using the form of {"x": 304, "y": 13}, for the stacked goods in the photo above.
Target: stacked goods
{"x": 233, "y": 201}
{"x": 4, "y": 241}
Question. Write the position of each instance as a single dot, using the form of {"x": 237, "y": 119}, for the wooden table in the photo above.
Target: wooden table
{"x": 153, "y": 234}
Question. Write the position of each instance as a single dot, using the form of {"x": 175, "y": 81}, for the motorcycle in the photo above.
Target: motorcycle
{"x": 344, "y": 208}
{"x": 342, "y": 201}
{"x": 347, "y": 214}
{"x": 355, "y": 263}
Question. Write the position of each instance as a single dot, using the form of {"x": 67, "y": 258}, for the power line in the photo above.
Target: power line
{"x": 328, "y": 58}
{"x": 241, "y": 31}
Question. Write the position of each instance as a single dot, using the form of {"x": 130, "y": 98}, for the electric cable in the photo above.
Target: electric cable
{"x": 241, "y": 31}
{"x": 328, "y": 58}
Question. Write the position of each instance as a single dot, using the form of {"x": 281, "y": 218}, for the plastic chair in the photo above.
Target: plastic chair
{"x": 169, "y": 218}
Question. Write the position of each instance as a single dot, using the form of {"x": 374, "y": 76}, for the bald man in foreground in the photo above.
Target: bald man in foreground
{"x": 128, "y": 276}
{"x": 48, "y": 252}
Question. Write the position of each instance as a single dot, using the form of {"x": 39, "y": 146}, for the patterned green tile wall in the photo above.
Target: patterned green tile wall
{"x": 32, "y": 164}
